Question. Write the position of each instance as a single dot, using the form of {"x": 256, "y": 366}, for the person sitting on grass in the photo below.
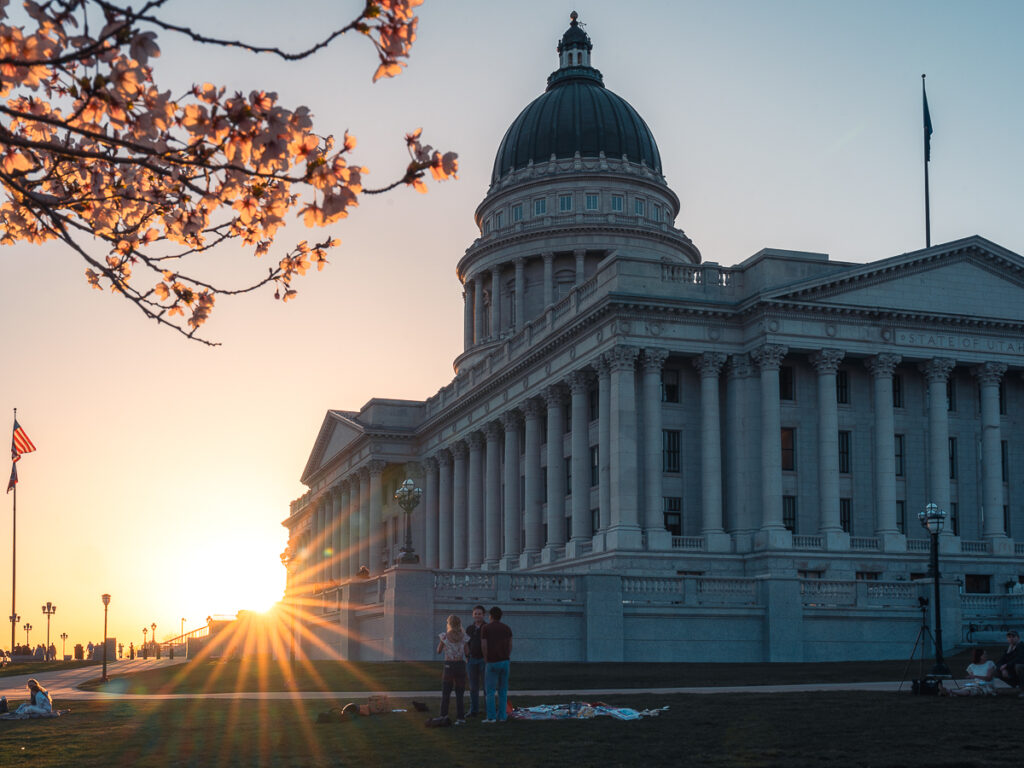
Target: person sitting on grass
{"x": 1011, "y": 665}
{"x": 39, "y": 702}
{"x": 981, "y": 673}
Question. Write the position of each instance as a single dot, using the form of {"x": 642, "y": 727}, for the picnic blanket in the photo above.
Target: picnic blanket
{"x": 26, "y": 716}
{"x": 581, "y": 711}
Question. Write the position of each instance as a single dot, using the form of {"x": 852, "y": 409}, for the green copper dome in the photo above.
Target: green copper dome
{"x": 576, "y": 114}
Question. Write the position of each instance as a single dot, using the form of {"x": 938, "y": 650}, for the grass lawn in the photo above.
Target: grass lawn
{"x": 42, "y": 667}
{"x": 751, "y": 730}
{"x": 226, "y": 676}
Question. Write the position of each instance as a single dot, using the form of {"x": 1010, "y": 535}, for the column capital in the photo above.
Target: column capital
{"x": 344, "y": 484}
{"x": 739, "y": 367}
{"x": 444, "y": 458}
{"x": 414, "y": 469}
{"x": 882, "y": 366}
{"x": 496, "y": 272}
{"x": 709, "y": 364}
{"x": 475, "y": 440}
{"x": 654, "y": 358}
{"x": 579, "y": 382}
{"x": 548, "y": 257}
{"x": 601, "y": 366}
{"x": 989, "y": 373}
{"x": 533, "y": 409}
{"x": 768, "y": 357}
{"x": 520, "y": 262}
{"x": 622, "y": 357}
{"x": 376, "y": 468}
{"x": 937, "y": 369}
{"x": 337, "y": 490}
{"x": 364, "y": 474}
{"x": 827, "y": 361}
{"x": 459, "y": 450}
{"x": 511, "y": 420}
{"x": 554, "y": 395}
{"x": 430, "y": 464}
{"x": 492, "y": 430}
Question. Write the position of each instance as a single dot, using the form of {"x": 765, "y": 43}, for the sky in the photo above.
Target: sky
{"x": 164, "y": 468}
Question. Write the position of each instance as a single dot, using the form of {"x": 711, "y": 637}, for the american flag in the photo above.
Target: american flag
{"x": 14, "y": 478}
{"x": 20, "y": 443}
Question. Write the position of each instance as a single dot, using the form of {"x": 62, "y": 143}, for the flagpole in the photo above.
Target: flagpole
{"x": 14, "y": 554}
{"x": 927, "y": 138}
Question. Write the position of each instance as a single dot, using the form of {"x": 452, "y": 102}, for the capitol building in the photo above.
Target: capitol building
{"x": 644, "y": 449}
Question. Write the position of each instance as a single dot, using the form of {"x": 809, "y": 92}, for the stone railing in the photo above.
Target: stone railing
{"x": 828, "y": 594}
{"x": 688, "y": 543}
{"x": 1018, "y": 549}
{"x": 463, "y": 585}
{"x": 891, "y": 593}
{"x": 712, "y": 590}
{"x": 696, "y": 275}
{"x": 819, "y": 593}
{"x": 918, "y": 545}
{"x": 543, "y": 586}
{"x": 864, "y": 543}
{"x": 807, "y": 542}
{"x": 370, "y": 592}
{"x": 689, "y": 590}
{"x": 974, "y": 547}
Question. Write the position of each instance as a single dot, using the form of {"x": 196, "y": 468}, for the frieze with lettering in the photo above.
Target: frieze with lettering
{"x": 964, "y": 342}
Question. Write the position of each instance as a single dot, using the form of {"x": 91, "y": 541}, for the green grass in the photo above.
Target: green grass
{"x": 227, "y": 676}
{"x": 751, "y": 730}
{"x": 42, "y": 667}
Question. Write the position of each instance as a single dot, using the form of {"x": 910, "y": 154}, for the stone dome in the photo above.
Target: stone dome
{"x": 576, "y": 113}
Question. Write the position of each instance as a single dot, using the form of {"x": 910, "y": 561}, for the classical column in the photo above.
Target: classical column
{"x": 773, "y": 533}
{"x": 511, "y": 420}
{"x": 826, "y": 363}
{"x": 741, "y": 461}
{"x": 936, "y": 372}
{"x": 459, "y": 498}
{"x": 881, "y": 368}
{"x": 376, "y": 507}
{"x": 445, "y": 496}
{"x": 319, "y": 534}
{"x": 989, "y": 376}
{"x": 555, "y": 398}
{"x": 534, "y": 501}
{"x": 716, "y": 539}
{"x": 658, "y": 537}
{"x": 580, "y": 254}
{"x": 467, "y": 314}
{"x": 604, "y": 448}
{"x": 625, "y": 530}
{"x": 549, "y": 279}
{"x": 431, "y": 506}
{"x": 364, "y": 518}
{"x": 492, "y": 495}
{"x": 336, "y": 551}
{"x": 579, "y": 442}
{"x": 354, "y": 536}
{"x": 344, "y": 528}
{"x": 478, "y": 308}
{"x": 495, "y": 302}
{"x": 475, "y": 521}
{"x": 520, "y": 289}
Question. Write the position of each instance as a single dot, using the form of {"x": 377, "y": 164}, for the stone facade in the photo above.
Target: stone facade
{"x": 699, "y": 461}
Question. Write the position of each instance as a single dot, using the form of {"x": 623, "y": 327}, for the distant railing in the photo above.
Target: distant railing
{"x": 820, "y": 592}
{"x": 807, "y": 542}
{"x": 974, "y": 547}
{"x": 864, "y": 543}
{"x": 1018, "y": 549}
{"x": 545, "y": 586}
{"x": 464, "y": 585}
{"x": 918, "y": 545}
{"x": 688, "y": 543}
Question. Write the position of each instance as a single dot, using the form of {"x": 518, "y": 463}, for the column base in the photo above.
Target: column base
{"x": 625, "y": 537}
{"x": 717, "y": 541}
{"x": 892, "y": 541}
{"x": 509, "y": 562}
{"x": 600, "y": 544}
{"x": 1000, "y": 544}
{"x": 773, "y": 538}
{"x": 658, "y": 540}
{"x": 552, "y": 553}
{"x": 406, "y": 559}
{"x": 490, "y": 565}
{"x": 743, "y": 542}
{"x": 949, "y": 544}
{"x": 529, "y": 558}
{"x": 578, "y": 548}
{"x": 835, "y": 541}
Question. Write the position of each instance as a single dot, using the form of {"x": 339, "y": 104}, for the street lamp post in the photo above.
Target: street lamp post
{"x": 145, "y": 648}
{"x": 408, "y": 496}
{"x": 934, "y": 520}
{"x": 14, "y": 619}
{"x": 63, "y": 644}
{"x": 106, "y": 602}
{"x": 48, "y": 610}
{"x": 28, "y": 628}
{"x": 156, "y": 648}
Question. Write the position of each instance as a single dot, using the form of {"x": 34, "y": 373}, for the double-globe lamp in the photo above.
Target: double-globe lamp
{"x": 934, "y": 520}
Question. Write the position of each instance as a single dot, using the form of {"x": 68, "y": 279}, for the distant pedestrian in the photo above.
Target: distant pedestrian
{"x": 496, "y": 641}
{"x": 475, "y": 660}
{"x": 120, "y": 650}
{"x": 52, "y": 652}
{"x": 131, "y": 651}
{"x": 452, "y": 643}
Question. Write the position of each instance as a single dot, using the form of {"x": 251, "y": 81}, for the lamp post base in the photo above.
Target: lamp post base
{"x": 940, "y": 670}
{"x": 408, "y": 557}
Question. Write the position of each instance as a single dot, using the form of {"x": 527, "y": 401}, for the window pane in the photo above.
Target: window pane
{"x": 565, "y": 203}
{"x": 786, "y": 382}
{"x": 844, "y": 452}
{"x": 517, "y": 212}
{"x": 617, "y": 203}
{"x": 670, "y": 452}
{"x": 593, "y": 202}
{"x": 788, "y": 448}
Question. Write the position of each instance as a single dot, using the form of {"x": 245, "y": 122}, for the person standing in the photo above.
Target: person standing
{"x": 475, "y": 660}
{"x": 496, "y": 643}
{"x": 452, "y": 644}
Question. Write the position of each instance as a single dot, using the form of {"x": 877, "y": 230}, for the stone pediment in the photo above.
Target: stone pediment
{"x": 339, "y": 430}
{"x": 973, "y": 278}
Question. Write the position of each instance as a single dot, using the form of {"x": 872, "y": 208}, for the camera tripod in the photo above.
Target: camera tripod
{"x": 923, "y": 632}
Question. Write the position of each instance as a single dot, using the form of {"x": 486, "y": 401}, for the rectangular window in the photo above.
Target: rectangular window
{"x": 786, "y": 389}
{"x": 595, "y": 520}
{"x": 544, "y": 485}
{"x": 897, "y": 391}
{"x": 669, "y": 385}
{"x": 656, "y": 212}
{"x": 616, "y": 203}
{"x": 1004, "y": 458}
{"x": 952, "y": 458}
{"x": 595, "y": 467}
{"x": 977, "y": 584}
{"x": 670, "y": 440}
{"x": 843, "y": 387}
{"x": 789, "y": 513}
{"x": 1006, "y": 520}
{"x": 517, "y": 212}
{"x": 844, "y": 452}
{"x": 674, "y": 515}
{"x": 499, "y": 220}
{"x": 638, "y": 207}
{"x": 867, "y": 576}
{"x": 564, "y": 203}
{"x": 901, "y": 516}
{"x": 809, "y": 574}
{"x": 898, "y": 442}
{"x": 540, "y": 207}
{"x": 593, "y": 203}
{"x": 568, "y": 478}
{"x": 1002, "y": 397}
{"x": 788, "y": 449}
{"x": 593, "y": 404}
{"x": 845, "y": 513}
{"x": 954, "y": 518}
{"x": 951, "y": 394}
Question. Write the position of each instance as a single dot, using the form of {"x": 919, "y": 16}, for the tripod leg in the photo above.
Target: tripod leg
{"x": 919, "y": 640}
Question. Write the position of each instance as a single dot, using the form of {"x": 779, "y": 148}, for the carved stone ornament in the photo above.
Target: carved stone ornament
{"x": 769, "y": 356}
{"x": 459, "y": 450}
{"x": 882, "y": 366}
{"x": 511, "y": 420}
{"x": 554, "y": 395}
{"x": 492, "y": 430}
{"x": 579, "y": 382}
{"x": 654, "y": 358}
{"x": 709, "y": 364}
{"x": 739, "y": 367}
{"x": 989, "y": 373}
{"x": 937, "y": 369}
{"x": 475, "y": 440}
{"x": 533, "y": 408}
{"x": 622, "y": 358}
{"x": 376, "y": 467}
{"x": 601, "y": 366}
{"x": 430, "y": 464}
{"x": 444, "y": 458}
{"x": 827, "y": 360}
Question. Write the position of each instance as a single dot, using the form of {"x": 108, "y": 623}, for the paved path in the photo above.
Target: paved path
{"x": 63, "y": 686}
